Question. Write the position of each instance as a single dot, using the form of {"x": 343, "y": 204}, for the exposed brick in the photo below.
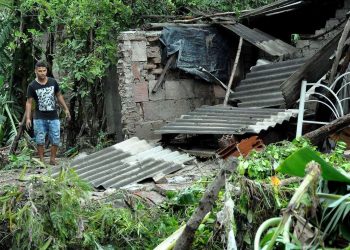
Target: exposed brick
{"x": 135, "y": 71}
{"x": 302, "y": 43}
{"x": 166, "y": 110}
{"x": 175, "y": 90}
{"x": 141, "y": 92}
{"x": 150, "y": 66}
{"x": 157, "y": 71}
{"x": 145, "y": 130}
{"x": 153, "y": 52}
{"x": 219, "y": 92}
{"x": 153, "y": 38}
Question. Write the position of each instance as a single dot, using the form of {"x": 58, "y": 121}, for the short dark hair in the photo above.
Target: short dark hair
{"x": 41, "y": 64}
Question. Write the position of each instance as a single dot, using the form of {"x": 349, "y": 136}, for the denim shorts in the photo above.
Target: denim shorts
{"x": 50, "y": 127}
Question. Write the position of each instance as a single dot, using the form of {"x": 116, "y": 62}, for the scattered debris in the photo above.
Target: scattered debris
{"x": 127, "y": 162}
{"x": 242, "y": 148}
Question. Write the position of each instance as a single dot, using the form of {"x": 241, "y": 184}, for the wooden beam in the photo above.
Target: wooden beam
{"x": 339, "y": 52}
{"x": 238, "y": 53}
{"x": 267, "y": 7}
{"x": 323, "y": 132}
{"x": 314, "y": 68}
{"x": 170, "y": 61}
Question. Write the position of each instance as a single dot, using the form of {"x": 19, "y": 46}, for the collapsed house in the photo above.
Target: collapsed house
{"x": 167, "y": 98}
{"x": 175, "y": 82}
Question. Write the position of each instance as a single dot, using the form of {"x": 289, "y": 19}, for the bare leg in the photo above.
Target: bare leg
{"x": 41, "y": 152}
{"x": 53, "y": 155}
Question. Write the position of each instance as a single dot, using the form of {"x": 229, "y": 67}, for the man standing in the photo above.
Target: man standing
{"x": 44, "y": 90}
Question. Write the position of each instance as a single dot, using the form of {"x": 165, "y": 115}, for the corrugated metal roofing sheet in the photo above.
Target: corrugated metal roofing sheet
{"x": 275, "y": 7}
{"x": 227, "y": 120}
{"x": 128, "y": 162}
{"x": 261, "y": 87}
{"x": 267, "y": 43}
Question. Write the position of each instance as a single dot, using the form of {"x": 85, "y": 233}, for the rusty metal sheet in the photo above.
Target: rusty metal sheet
{"x": 243, "y": 148}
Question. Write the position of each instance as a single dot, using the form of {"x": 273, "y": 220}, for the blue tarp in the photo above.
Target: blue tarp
{"x": 199, "y": 47}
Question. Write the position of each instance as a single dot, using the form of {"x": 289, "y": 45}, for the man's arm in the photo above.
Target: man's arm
{"x": 28, "y": 112}
{"x": 63, "y": 104}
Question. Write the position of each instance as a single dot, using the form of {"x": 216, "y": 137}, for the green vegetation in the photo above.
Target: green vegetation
{"x": 58, "y": 213}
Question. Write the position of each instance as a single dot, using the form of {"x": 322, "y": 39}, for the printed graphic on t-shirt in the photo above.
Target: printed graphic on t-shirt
{"x": 46, "y": 98}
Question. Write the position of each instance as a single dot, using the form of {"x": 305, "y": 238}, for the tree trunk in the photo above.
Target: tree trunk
{"x": 321, "y": 133}
{"x": 205, "y": 205}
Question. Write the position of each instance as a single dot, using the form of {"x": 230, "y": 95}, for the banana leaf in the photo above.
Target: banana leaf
{"x": 295, "y": 165}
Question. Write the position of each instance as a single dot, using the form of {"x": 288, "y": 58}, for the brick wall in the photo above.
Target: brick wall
{"x": 139, "y": 67}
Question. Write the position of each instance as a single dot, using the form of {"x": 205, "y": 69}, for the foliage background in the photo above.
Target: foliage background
{"x": 78, "y": 38}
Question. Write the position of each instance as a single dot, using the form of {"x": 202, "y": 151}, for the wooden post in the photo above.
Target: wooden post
{"x": 170, "y": 61}
{"x": 233, "y": 70}
{"x": 339, "y": 51}
{"x": 321, "y": 133}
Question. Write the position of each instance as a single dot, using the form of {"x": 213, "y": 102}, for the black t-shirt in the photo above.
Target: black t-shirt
{"x": 45, "y": 98}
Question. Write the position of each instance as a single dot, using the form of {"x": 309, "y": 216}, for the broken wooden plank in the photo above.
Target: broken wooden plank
{"x": 238, "y": 53}
{"x": 314, "y": 68}
{"x": 268, "y": 7}
{"x": 205, "y": 205}
{"x": 170, "y": 61}
{"x": 339, "y": 51}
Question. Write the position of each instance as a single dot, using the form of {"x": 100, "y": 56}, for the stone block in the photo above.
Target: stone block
{"x": 141, "y": 92}
{"x": 159, "y": 95}
{"x": 139, "y": 53}
{"x": 166, "y": 110}
{"x": 157, "y": 71}
{"x": 145, "y": 130}
{"x": 219, "y": 92}
{"x": 180, "y": 89}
